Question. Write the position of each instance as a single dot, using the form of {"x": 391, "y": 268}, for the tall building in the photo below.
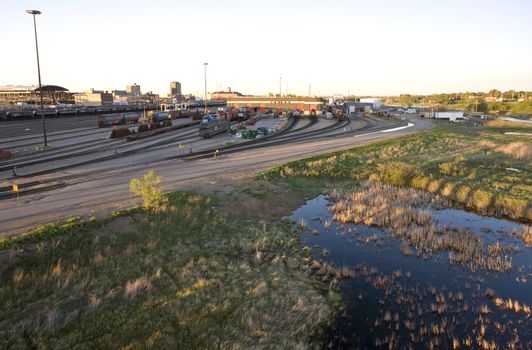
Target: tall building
{"x": 133, "y": 90}
{"x": 175, "y": 89}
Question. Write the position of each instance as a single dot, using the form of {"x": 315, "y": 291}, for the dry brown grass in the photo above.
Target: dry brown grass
{"x": 404, "y": 213}
{"x": 517, "y": 150}
{"x": 18, "y": 275}
{"x": 525, "y": 234}
{"x": 500, "y": 123}
{"x": 135, "y": 287}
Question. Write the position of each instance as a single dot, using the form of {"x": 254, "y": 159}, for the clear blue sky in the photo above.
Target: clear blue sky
{"x": 362, "y": 47}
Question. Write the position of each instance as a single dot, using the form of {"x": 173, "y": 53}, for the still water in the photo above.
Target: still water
{"x": 400, "y": 301}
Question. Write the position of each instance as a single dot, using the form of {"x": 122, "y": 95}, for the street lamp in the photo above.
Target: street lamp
{"x": 33, "y": 13}
{"x": 205, "y": 75}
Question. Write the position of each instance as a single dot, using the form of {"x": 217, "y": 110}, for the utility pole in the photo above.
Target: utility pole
{"x": 205, "y": 75}
{"x": 33, "y": 13}
{"x": 280, "y": 81}
{"x": 309, "y": 90}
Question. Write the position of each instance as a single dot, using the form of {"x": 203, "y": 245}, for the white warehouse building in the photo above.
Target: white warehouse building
{"x": 377, "y": 102}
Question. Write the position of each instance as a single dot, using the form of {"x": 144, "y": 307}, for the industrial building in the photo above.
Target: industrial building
{"x": 133, "y": 90}
{"x": 375, "y": 102}
{"x": 358, "y": 107}
{"x": 224, "y": 95}
{"x": 305, "y": 104}
{"x": 94, "y": 98}
{"x": 175, "y": 89}
{"x": 120, "y": 93}
{"x": 52, "y": 94}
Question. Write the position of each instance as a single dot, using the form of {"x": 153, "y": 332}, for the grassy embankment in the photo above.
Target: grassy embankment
{"x": 189, "y": 275}
{"x": 523, "y": 108}
{"x": 479, "y": 168}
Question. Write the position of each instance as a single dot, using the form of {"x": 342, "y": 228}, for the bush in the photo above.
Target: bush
{"x": 421, "y": 181}
{"x": 456, "y": 167}
{"x": 513, "y": 207}
{"x": 480, "y": 200}
{"x": 146, "y": 187}
{"x": 524, "y": 107}
{"x": 462, "y": 194}
{"x": 395, "y": 173}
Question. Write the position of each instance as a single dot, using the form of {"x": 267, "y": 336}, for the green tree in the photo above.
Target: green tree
{"x": 494, "y": 93}
{"x": 509, "y": 95}
{"x": 146, "y": 187}
{"x": 407, "y": 100}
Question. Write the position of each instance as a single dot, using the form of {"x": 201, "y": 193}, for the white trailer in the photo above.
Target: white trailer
{"x": 450, "y": 116}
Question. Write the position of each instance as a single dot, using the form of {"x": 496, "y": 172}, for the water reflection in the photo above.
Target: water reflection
{"x": 419, "y": 300}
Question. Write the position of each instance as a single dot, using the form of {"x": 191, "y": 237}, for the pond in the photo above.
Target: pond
{"x": 420, "y": 300}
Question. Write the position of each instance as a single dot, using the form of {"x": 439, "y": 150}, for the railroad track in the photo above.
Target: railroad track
{"x": 163, "y": 140}
{"x": 275, "y": 139}
{"x": 61, "y": 150}
{"x": 281, "y": 137}
{"x": 32, "y": 187}
{"x": 52, "y": 139}
{"x": 371, "y": 126}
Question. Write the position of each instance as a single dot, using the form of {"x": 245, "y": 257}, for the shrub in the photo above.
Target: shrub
{"x": 421, "y": 181}
{"x": 396, "y": 173}
{"x": 146, "y": 187}
{"x": 434, "y": 186}
{"x": 480, "y": 200}
{"x": 448, "y": 190}
{"x": 463, "y": 193}
{"x": 512, "y": 207}
{"x": 524, "y": 107}
{"x": 456, "y": 167}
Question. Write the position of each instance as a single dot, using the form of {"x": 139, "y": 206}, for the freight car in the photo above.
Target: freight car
{"x": 210, "y": 125}
{"x": 129, "y": 118}
{"x": 156, "y": 116}
{"x": 117, "y": 119}
{"x": 108, "y": 120}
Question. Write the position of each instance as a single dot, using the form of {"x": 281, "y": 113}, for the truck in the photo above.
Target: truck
{"x": 211, "y": 125}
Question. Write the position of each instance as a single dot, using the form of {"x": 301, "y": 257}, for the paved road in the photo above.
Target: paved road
{"x": 101, "y": 191}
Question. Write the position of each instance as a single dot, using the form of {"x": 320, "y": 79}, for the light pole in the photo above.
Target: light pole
{"x": 205, "y": 75}
{"x": 33, "y": 13}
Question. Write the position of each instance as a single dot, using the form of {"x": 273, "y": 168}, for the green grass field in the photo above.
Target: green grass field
{"x": 479, "y": 168}
{"x": 186, "y": 276}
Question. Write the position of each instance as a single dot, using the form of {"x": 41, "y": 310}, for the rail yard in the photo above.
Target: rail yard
{"x": 80, "y": 149}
